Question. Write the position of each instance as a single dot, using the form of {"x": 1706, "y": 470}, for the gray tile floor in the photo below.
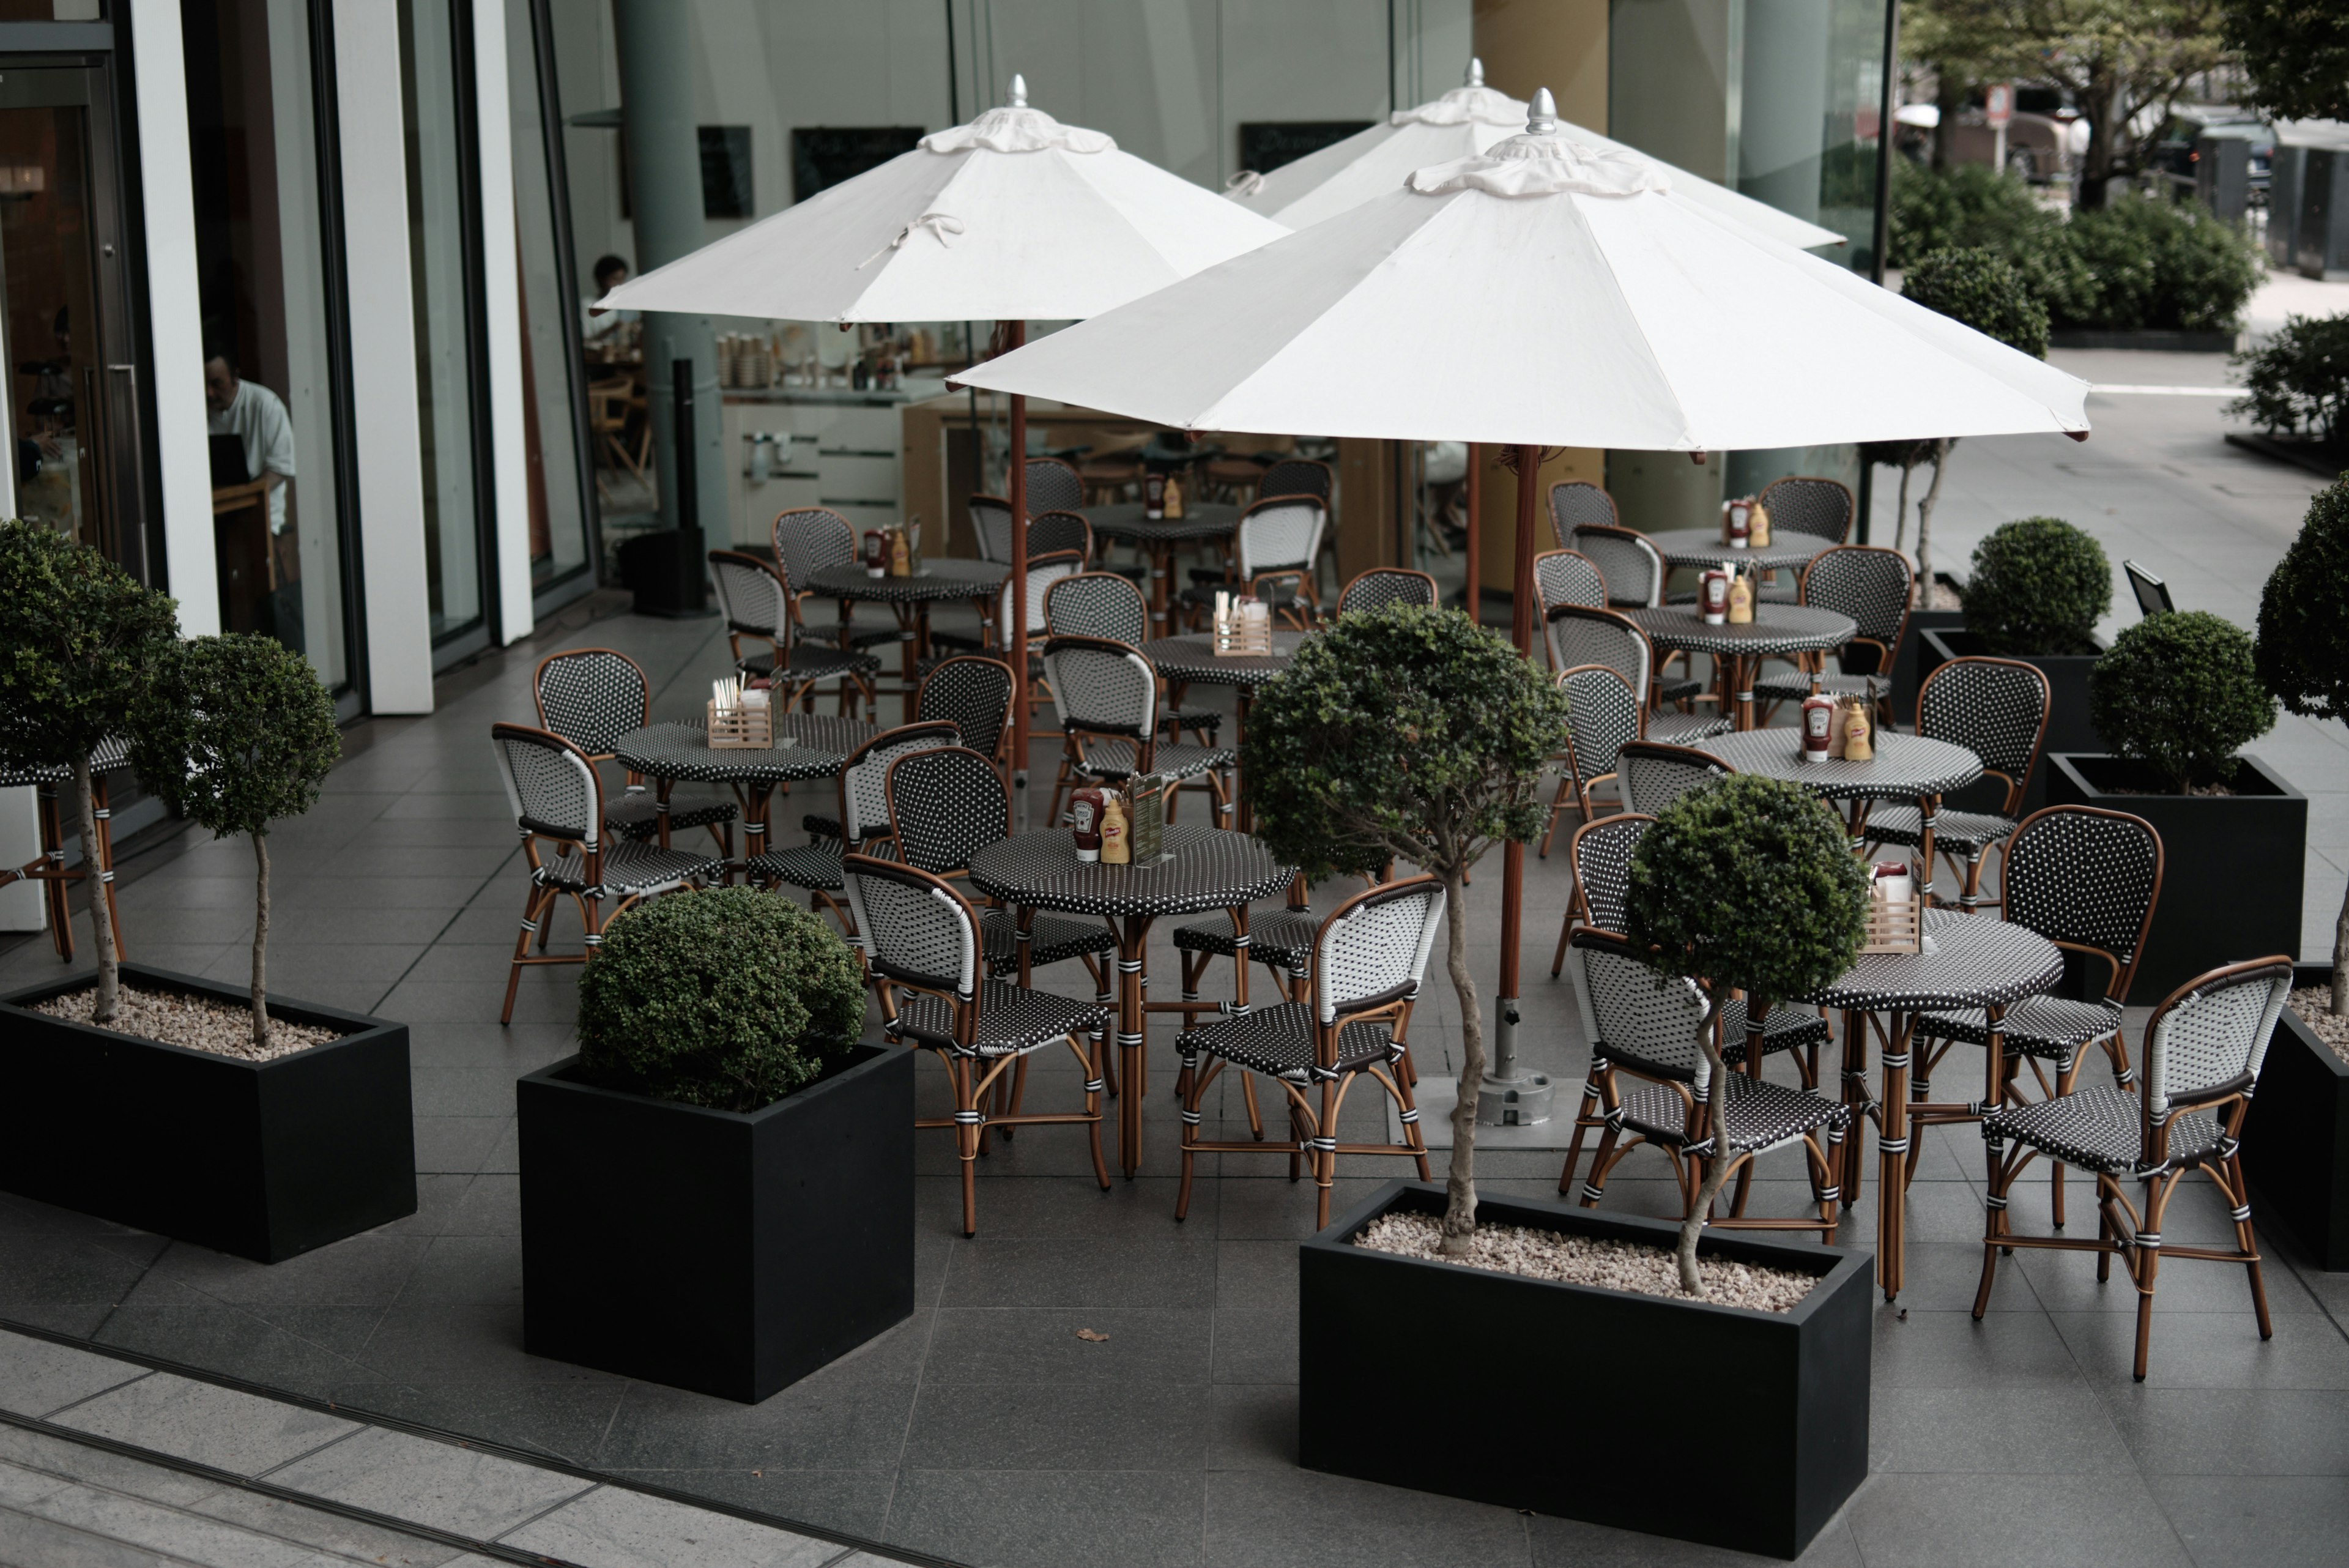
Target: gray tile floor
{"x": 983, "y": 1431}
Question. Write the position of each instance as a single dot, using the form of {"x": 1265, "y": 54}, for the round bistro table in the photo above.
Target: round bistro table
{"x": 1702, "y": 548}
{"x": 669, "y": 753}
{"x": 1975, "y": 962}
{"x": 1776, "y": 630}
{"x": 1192, "y": 661}
{"x": 910, "y": 598}
{"x": 1157, "y": 536}
{"x": 1907, "y": 767}
{"x": 1209, "y": 868}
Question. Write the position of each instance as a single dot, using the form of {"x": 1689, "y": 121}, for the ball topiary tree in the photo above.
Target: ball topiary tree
{"x": 1408, "y": 733}
{"x": 2038, "y": 584}
{"x": 730, "y": 999}
{"x": 77, "y": 632}
{"x": 1749, "y": 884}
{"x": 237, "y": 731}
{"x": 2181, "y": 693}
{"x": 2304, "y": 649}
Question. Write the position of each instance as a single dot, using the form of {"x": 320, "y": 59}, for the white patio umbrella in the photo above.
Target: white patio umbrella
{"x": 1012, "y": 217}
{"x": 1543, "y": 294}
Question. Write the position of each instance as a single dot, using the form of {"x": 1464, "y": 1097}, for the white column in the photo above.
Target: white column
{"x": 502, "y": 319}
{"x": 22, "y": 906}
{"x": 390, "y": 458}
{"x": 182, "y": 451}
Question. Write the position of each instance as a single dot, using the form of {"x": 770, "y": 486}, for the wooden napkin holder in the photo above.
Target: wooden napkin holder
{"x": 1896, "y": 927}
{"x": 1240, "y": 637}
{"x": 743, "y": 728}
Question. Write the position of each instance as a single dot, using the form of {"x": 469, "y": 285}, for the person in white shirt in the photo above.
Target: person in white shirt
{"x": 257, "y": 417}
{"x": 610, "y": 273}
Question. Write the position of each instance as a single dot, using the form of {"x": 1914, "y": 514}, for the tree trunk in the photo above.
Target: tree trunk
{"x": 260, "y": 941}
{"x": 1950, "y": 97}
{"x": 2341, "y": 960}
{"x": 1460, "y": 1180}
{"x": 98, "y": 880}
{"x": 1691, "y": 1282}
{"x": 1925, "y": 592}
{"x": 2096, "y": 163}
{"x": 1900, "y": 509}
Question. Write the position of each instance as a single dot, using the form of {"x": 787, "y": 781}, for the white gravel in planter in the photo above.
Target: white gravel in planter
{"x": 195, "y": 1022}
{"x": 2315, "y": 1005}
{"x": 1590, "y": 1260}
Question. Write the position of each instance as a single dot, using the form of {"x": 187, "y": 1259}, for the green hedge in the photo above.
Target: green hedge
{"x": 2296, "y": 384}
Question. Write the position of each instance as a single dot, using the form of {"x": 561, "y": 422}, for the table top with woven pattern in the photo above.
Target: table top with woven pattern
{"x": 1906, "y": 766}
{"x": 1702, "y": 548}
{"x": 1127, "y": 520}
{"x": 1193, "y": 659}
{"x": 1776, "y": 629}
{"x": 1976, "y": 961}
{"x": 1212, "y": 869}
{"x": 822, "y": 743}
{"x": 937, "y": 579}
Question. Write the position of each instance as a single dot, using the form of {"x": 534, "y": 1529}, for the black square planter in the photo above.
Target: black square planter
{"x": 262, "y": 1160}
{"x": 2069, "y": 726}
{"x": 2296, "y": 1136}
{"x": 1908, "y": 662}
{"x": 1639, "y": 1370}
{"x": 2232, "y": 865}
{"x": 728, "y": 1253}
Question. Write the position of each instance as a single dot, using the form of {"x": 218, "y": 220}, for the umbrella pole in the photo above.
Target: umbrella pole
{"x": 1508, "y": 1097}
{"x": 1015, "y": 333}
{"x": 1470, "y": 500}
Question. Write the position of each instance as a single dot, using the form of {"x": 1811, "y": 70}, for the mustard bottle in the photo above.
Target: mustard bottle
{"x": 1858, "y": 733}
{"x": 1116, "y": 843}
{"x": 1741, "y": 599}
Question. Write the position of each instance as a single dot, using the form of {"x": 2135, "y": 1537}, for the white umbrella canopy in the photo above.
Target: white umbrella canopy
{"x": 1464, "y": 122}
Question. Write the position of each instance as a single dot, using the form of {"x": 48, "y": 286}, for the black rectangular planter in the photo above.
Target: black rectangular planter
{"x": 1639, "y": 1368}
{"x": 729, "y": 1252}
{"x": 2296, "y": 1136}
{"x": 1908, "y": 664}
{"x": 2232, "y": 865}
{"x": 262, "y": 1160}
{"x": 2069, "y": 726}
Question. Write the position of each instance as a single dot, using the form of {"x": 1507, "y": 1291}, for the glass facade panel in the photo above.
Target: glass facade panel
{"x": 558, "y": 517}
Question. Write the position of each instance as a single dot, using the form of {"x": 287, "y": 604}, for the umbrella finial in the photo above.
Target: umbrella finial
{"x": 1541, "y": 115}
{"x": 1475, "y": 71}
{"x": 1019, "y": 91}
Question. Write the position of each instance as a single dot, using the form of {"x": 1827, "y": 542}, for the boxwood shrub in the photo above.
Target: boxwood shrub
{"x": 2038, "y": 586}
{"x": 2181, "y": 693}
{"x": 2296, "y": 384}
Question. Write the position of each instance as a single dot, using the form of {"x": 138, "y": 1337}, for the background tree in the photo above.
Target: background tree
{"x": 1745, "y": 884}
{"x": 2304, "y": 649}
{"x": 237, "y": 731}
{"x": 2296, "y": 53}
{"x": 1414, "y": 734}
{"x": 77, "y": 632}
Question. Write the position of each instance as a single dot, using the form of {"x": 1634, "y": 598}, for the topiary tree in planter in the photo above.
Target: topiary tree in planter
{"x": 730, "y": 999}
{"x": 1749, "y": 884}
{"x": 2038, "y": 584}
{"x": 2304, "y": 649}
{"x": 237, "y": 731}
{"x": 1408, "y": 733}
{"x": 76, "y": 633}
{"x": 2181, "y": 694}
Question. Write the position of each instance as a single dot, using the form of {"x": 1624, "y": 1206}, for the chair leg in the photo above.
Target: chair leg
{"x": 1409, "y": 1116}
{"x": 1583, "y": 1119}
{"x": 1325, "y": 1155}
{"x": 1088, "y": 1051}
{"x": 1247, "y": 1098}
{"x": 1995, "y": 1228}
{"x": 1594, "y": 1186}
{"x": 2241, "y": 1215}
{"x": 967, "y": 1126}
{"x": 2149, "y": 1264}
{"x": 540, "y": 899}
{"x": 1191, "y": 1136}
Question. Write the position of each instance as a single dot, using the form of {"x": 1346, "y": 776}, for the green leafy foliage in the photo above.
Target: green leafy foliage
{"x": 1971, "y": 206}
{"x": 76, "y": 635}
{"x": 2303, "y": 647}
{"x": 235, "y": 731}
{"x": 1403, "y": 731}
{"x": 2181, "y": 693}
{"x": 2038, "y": 586}
{"x": 2296, "y": 384}
{"x": 730, "y": 999}
{"x": 2297, "y": 52}
{"x": 1749, "y": 882}
{"x": 1977, "y": 287}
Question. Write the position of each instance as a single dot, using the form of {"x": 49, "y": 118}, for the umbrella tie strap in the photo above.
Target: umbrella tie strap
{"x": 1246, "y": 183}
{"x": 940, "y": 225}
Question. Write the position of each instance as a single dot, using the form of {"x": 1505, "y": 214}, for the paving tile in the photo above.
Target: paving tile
{"x": 1042, "y": 1344}
{"x": 613, "y": 1528}
{"x": 2231, "y": 1431}
{"x": 1039, "y": 1427}
{"x": 1333, "y": 1520}
{"x": 73, "y": 1461}
{"x": 295, "y": 1347}
{"x": 21, "y": 1488}
{"x": 853, "y": 1502}
{"x": 1999, "y": 1521}
{"x": 475, "y": 1343}
{"x": 38, "y": 1376}
{"x": 2046, "y": 1431}
{"x": 321, "y": 1530}
{"x": 465, "y": 1145}
{"x": 829, "y": 1420}
{"x": 1950, "y": 1350}
{"x": 223, "y": 1428}
{"x": 362, "y": 1271}
{"x": 1175, "y": 1272}
{"x": 1255, "y": 1273}
{"x": 2276, "y": 1521}
{"x": 1254, "y": 1426}
{"x": 2066, "y": 1281}
{"x": 1137, "y": 1519}
{"x": 184, "y": 1536}
{"x": 426, "y": 1482}
{"x": 565, "y": 1422}
{"x": 1571, "y": 1543}
{"x": 27, "y": 1542}
{"x": 2210, "y": 1350}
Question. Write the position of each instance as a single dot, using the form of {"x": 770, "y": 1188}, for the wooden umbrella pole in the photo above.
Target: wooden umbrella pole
{"x": 1471, "y": 498}
{"x": 1512, "y": 854}
{"x": 1015, "y": 333}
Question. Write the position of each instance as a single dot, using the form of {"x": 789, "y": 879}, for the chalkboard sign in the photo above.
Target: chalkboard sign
{"x": 824, "y": 155}
{"x": 725, "y": 171}
{"x": 1266, "y": 144}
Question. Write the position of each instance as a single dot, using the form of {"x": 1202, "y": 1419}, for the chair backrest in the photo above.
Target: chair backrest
{"x": 990, "y": 527}
{"x": 1995, "y": 708}
{"x": 550, "y": 783}
{"x": 1384, "y": 585}
{"x": 1372, "y": 949}
{"x": 591, "y": 697}
{"x": 1296, "y": 476}
{"x": 810, "y": 538}
{"x": 1101, "y": 686}
{"x": 1643, "y": 1020}
{"x": 2087, "y": 878}
{"x": 1054, "y": 531}
{"x": 2152, "y": 593}
{"x": 975, "y": 693}
{"x": 1569, "y": 578}
{"x": 863, "y": 800}
{"x": 1601, "y": 850}
{"x": 1578, "y": 636}
{"x": 1578, "y": 503}
{"x": 1602, "y": 714}
{"x": 2208, "y": 1038}
{"x": 1098, "y": 604}
{"x": 946, "y": 804}
{"x": 1655, "y": 774}
{"x": 1822, "y": 508}
{"x": 1053, "y": 485}
{"x": 913, "y": 927}
{"x": 751, "y": 596}
{"x": 1281, "y": 532}
{"x": 1869, "y": 585}
{"x": 1043, "y": 571}
{"x": 1634, "y": 569}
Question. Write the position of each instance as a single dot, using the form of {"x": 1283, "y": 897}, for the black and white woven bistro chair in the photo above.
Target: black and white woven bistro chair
{"x": 1814, "y": 508}
{"x": 1053, "y": 485}
{"x": 1579, "y": 636}
{"x": 1872, "y": 586}
{"x": 922, "y": 947}
{"x": 1107, "y": 696}
{"x": 1368, "y": 958}
{"x": 558, "y": 800}
{"x": 1274, "y": 548}
{"x": 756, "y": 603}
{"x": 593, "y": 696}
{"x": 1053, "y": 533}
{"x": 1384, "y": 585}
{"x": 1643, "y": 1027}
{"x": 56, "y": 803}
{"x": 1569, "y": 578}
{"x": 990, "y": 528}
{"x": 975, "y": 693}
{"x": 1578, "y": 503}
{"x": 995, "y": 636}
{"x": 1997, "y": 708}
{"x": 1297, "y": 476}
{"x": 1634, "y": 568}
{"x": 2087, "y": 879}
{"x": 1601, "y": 714}
{"x": 1652, "y": 774}
{"x": 863, "y": 820}
{"x": 808, "y": 539}
{"x": 2203, "y": 1049}
{"x": 1108, "y": 604}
